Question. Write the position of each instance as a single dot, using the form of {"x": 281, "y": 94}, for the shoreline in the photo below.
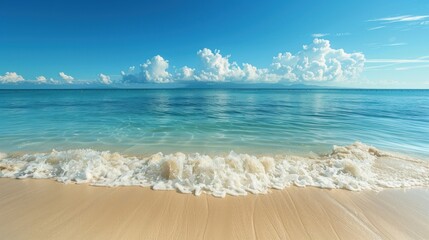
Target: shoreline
{"x": 354, "y": 167}
{"x": 44, "y": 209}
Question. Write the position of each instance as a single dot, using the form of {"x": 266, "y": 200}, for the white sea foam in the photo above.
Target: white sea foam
{"x": 355, "y": 167}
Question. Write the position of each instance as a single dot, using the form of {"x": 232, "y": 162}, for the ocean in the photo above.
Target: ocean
{"x": 111, "y": 137}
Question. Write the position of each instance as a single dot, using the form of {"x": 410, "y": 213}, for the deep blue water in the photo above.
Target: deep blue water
{"x": 213, "y": 121}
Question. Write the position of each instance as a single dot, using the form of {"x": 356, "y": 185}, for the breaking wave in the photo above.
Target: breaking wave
{"x": 354, "y": 167}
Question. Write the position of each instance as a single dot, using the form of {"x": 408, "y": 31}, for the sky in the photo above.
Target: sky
{"x": 364, "y": 44}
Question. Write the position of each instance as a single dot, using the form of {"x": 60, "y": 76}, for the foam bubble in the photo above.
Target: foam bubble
{"x": 354, "y": 167}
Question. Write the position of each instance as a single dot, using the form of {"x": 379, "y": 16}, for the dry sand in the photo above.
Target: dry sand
{"x": 43, "y": 209}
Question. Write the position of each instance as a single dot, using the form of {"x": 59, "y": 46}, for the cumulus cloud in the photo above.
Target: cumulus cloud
{"x": 11, "y": 77}
{"x": 318, "y": 62}
{"x": 155, "y": 70}
{"x": 283, "y": 66}
{"x": 254, "y": 74}
{"x": 217, "y": 68}
{"x": 251, "y": 72}
{"x": 41, "y": 79}
{"x": 130, "y": 77}
{"x": 187, "y": 73}
{"x": 53, "y": 81}
{"x": 315, "y": 62}
{"x": 65, "y": 77}
{"x": 104, "y": 79}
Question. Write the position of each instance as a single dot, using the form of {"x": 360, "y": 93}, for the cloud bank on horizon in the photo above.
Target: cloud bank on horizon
{"x": 11, "y": 77}
{"x": 316, "y": 62}
{"x": 66, "y": 78}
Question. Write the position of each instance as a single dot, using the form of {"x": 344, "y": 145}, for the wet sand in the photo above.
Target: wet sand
{"x": 44, "y": 209}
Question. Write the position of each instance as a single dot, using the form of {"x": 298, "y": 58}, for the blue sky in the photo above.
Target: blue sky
{"x": 348, "y": 43}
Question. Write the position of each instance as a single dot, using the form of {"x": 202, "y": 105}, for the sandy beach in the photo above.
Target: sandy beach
{"x": 44, "y": 209}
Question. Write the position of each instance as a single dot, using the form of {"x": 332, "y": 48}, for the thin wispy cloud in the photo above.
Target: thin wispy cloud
{"x": 386, "y": 60}
{"x": 383, "y": 45}
{"x": 397, "y": 64}
{"x": 342, "y": 34}
{"x": 376, "y": 28}
{"x": 412, "y": 67}
{"x": 377, "y": 67}
{"x": 394, "y": 44}
{"x": 319, "y": 35}
{"x": 403, "y": 18}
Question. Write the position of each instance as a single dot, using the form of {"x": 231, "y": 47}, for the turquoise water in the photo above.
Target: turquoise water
{"x": 213, "y": 121}
{"x": 217, "y": 141}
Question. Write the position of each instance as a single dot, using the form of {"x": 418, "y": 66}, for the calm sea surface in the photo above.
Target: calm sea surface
{"x": 213, "y": 121}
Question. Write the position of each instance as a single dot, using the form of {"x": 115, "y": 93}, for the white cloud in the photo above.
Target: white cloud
{"x": 315, "y": 62}
{"x": 187, "y": 73}
{"x": 41, "y": 79}
{"x": 318, "y": 62}
{"x": 11, "y": 77}
{"x": 386, "y": 60}
{"x": 376, "y": 28}
{"x": 403, "y": 22}
{"x": 155, "y": 70}
{"x": 104, "y": 79}
{"x": 403, "y": 18}
{"x": 391, "y": 44}
{"x": 319, "y": 35}
{"x": 53, "y": 81}
{"x": 394, "y": 44}
{"x": 403, "y": 64}
{"x": 342, "y": 34}
{"x": 283, "y": 65}
{"x": 217, "y": 68}
{"x": 65, "y": 77}
{"x": 253, "y": 73}
{"x": 411, "y": 67}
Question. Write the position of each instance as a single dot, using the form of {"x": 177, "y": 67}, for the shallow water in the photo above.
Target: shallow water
{"x": 214, "y": 121}
{"x": 217, "y": 141}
